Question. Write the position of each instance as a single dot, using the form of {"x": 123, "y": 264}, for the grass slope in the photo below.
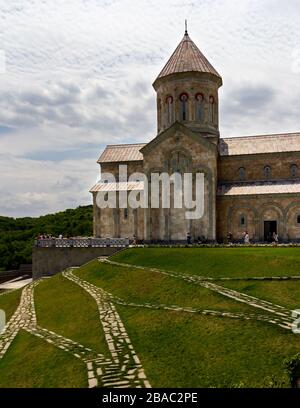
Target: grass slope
{"x": 140, "y": 286}
{"x": 9, "y": 302}
{"x": 197, "y": 351}
{"x": 31, "y": 362}
{"x": 66, "y": 309}
{"x": 176, "y": 349}
{"x": 284, "y": 293}
{"x": 217, "y": 262}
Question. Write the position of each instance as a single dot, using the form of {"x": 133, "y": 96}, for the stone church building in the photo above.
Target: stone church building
{"x": 251, "y": 183}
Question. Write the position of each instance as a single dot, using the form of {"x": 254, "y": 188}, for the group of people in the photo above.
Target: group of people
{"x": 199, "y": 240}
{"x": 48, "y": 236}
{"x": 273, "y": 237}
{"x": 246, "y": 238}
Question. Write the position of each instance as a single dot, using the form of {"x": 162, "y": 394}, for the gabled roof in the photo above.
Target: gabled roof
{"x": 177, "y": 126}
{"x": 276, "y": 143}
{"x": 121, "y": 153}
{"x": 231, "y": 146}
{"x": 187, "y": 58}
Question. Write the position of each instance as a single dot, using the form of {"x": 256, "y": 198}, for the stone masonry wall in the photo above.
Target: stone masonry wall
{"x": 283, "y": 209}
{"x": 280, "y": 163}
{"x": 49, "y": 261}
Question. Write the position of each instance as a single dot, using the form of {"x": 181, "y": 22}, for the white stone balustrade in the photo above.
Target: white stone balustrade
{"x": 81, "y": 242}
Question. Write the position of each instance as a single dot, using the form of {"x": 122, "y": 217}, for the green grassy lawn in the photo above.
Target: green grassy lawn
{"x": 181, "y": 350}
{"x": 217, "y": 262}
{"x": 31, "y": 362}
{"x": 66, "y": 309}
{"x": 140, "y": 286}
{"x": 176, "y": 349}
{"x": 284, "y": 293}
{"x": 9, "y": 302}
{"x": 197, "y": 351}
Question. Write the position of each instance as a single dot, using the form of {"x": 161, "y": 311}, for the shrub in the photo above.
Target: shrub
{"x": 292, "y": 366}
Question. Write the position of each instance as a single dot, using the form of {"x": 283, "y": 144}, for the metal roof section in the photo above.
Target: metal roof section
{"x": 259, "y": 188}
{"x": 118, "y": 186}
{"x": 122, "y": 153}
{"x": 245, "y": 145}
{"x": 187, "y": 58}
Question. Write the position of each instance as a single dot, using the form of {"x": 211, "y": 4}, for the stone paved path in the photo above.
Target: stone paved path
{"x": 206, "y": 312}
{"x": 122, "y": 370}
{"x": 119, "y": 344}
{"x": 203, "y": 278}
{"x": 24, "y": 317}
{"x": 283, "y": 316}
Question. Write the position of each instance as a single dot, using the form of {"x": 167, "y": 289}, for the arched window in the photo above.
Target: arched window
{"x": 184, "y": 106}
{"x": 267, "y": 172}
{"x": 242, "y": 220}
{"x": 125, "y": 213}
{"x": 294, "y": 170}
{"x": 242, "y": 173}
{"x": 169, "y": 102}
{"x": 211, "y": 109}
{"x": 298, "y": 219}
{"x": 159, "y": 111}
{"x": 199, "y": 107}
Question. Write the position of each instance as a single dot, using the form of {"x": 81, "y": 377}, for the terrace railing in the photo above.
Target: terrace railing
{"x": 81, "y": 242}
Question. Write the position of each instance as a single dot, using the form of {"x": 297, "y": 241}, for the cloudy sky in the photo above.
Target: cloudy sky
{"x": 76, "y": 75}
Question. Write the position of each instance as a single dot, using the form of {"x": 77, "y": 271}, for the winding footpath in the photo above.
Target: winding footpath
{"x": 123, "y": 369}
{"x": 280, "y": 315}
{"x": 130, "y": 371}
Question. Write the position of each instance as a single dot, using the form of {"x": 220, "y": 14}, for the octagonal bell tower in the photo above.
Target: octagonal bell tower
{"x": 187, "y": 91}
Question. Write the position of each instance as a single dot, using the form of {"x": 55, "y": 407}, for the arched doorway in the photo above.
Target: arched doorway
{"x": 292, "y": 221}
{"x": 270, "y": 228}
{"x": 271, "y": 221}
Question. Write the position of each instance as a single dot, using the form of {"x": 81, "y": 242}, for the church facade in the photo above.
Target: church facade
{"x": 250, "y": 183}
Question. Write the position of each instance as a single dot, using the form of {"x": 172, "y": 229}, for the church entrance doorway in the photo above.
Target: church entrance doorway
{"x": 269, "y": 228}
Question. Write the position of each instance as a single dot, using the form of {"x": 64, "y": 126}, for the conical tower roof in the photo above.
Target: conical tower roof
{"x": 187, "y": 58}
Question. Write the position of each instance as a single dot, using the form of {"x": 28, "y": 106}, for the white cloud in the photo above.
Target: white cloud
{"x": 39, "y": 187}
{"x": 79, "y": 74}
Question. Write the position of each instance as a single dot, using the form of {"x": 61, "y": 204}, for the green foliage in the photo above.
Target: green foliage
{"x": 292, "y": 366}
{"x": 17, "y": 234}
